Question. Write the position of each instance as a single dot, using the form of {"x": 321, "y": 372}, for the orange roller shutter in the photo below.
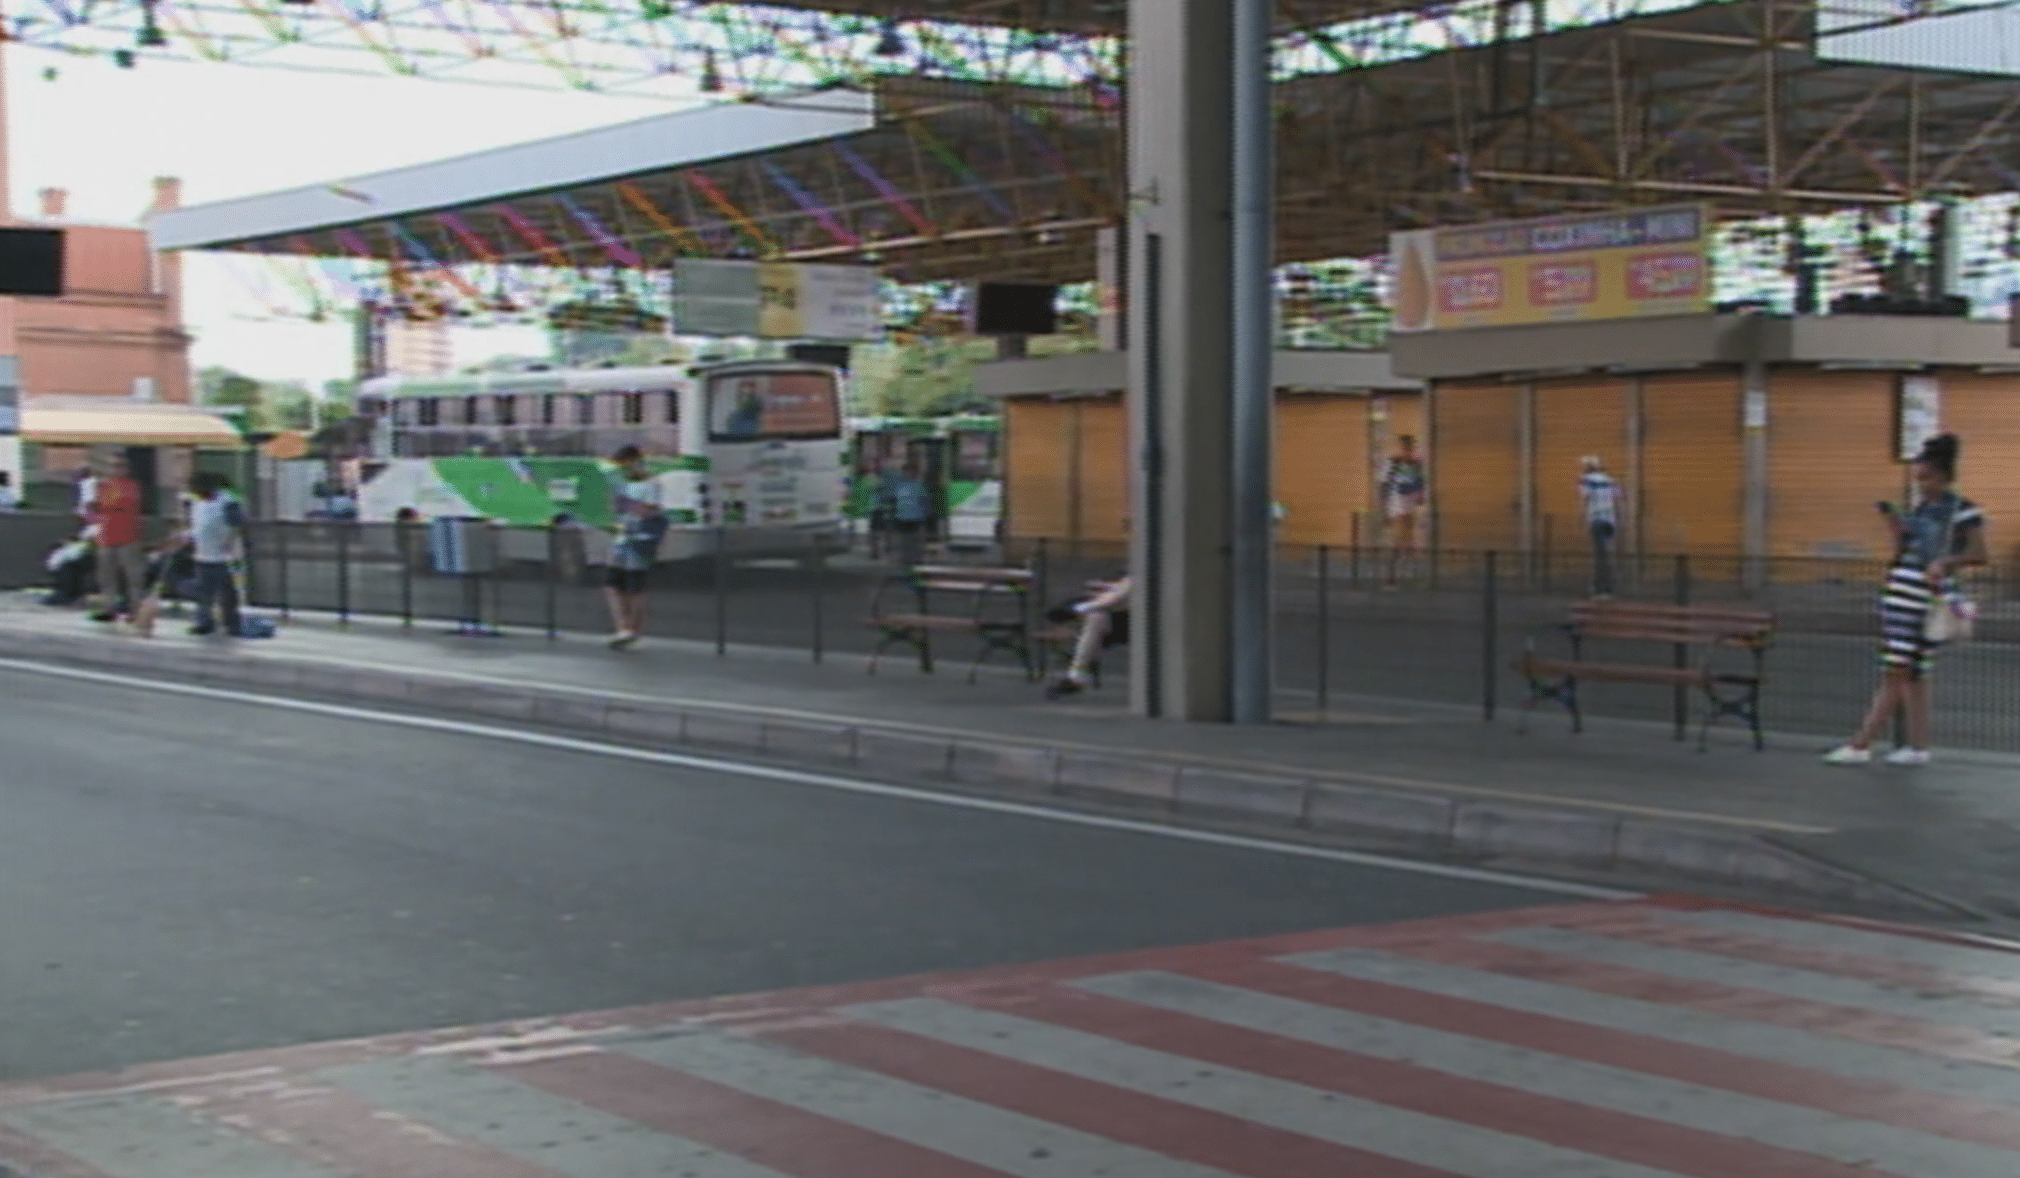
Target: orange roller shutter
{"x": 1575, "y": 419}
{"x": 1038, "y": 468}
{"x": 1830, "y": 458}
{"x": 1322, "y": 466}
{"x": 1475, "y": 452}
{"x": 1983, "y": 410}
{"x": 1691, "y": 485}
{"x": 1104, "y": 470}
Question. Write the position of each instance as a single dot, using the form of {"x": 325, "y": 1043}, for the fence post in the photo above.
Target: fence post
{"x": 281, "y": 556}
{"x": 721, "y": 591}
{"x": 1354, "y": 550}
{"x": 343, "y": 573}
{"x": 818, "y": 566}
{"x": 1325, "y": 628}
{"x": 1490, "y": 635}
{"x": 403, "y": 539}
{"x": 1041, "y": 588}
{"x": 553, "y": 581}
{"x": 1679, "y": 705}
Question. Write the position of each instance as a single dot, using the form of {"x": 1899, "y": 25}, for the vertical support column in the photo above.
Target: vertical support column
{"x": 1201, "y": 244}
{"x": 1111, "y": 277}
{"x": 1254, "y": 347}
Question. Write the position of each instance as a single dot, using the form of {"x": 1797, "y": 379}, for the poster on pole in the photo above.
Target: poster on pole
{"x": 776, "y": 300}
{"x": 1650, "y": 261}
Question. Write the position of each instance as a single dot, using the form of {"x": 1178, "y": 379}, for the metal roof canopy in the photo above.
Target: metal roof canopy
{"x": 1725, "y": 102}
{"x": 468, "y": 185}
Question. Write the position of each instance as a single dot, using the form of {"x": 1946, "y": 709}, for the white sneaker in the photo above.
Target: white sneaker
{"x": 1907, "y": 756}
{"x": 1848, "y": 754}
{"x": 622, "y": 640}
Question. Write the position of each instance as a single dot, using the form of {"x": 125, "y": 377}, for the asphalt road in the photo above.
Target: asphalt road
{"x": 185, "y": 876}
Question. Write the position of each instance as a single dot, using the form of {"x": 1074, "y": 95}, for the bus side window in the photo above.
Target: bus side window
{"x": 547, "y": 407}
{"x": 672, "y": 406}
{"x": 585, "y": 409}
{"x": 634, "y": 408}
{"x": 431, "y": 410}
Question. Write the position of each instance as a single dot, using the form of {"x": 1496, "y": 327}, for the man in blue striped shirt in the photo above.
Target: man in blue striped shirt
{"x": 1601, "y": 498}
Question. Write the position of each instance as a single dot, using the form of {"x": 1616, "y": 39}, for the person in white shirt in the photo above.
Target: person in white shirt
{"x": 1600, "y": 496}
{"x": 1104, "y": 622}
{"x": 216, "y": 521}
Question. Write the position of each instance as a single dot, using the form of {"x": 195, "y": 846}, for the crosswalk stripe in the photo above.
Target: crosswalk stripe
{"x": 1966, "y": 1028}
{"x": 142, "y": 1137}
{"x": 1041, "y": 1034}
{"x": 1591, "y": 975}
{"x": 573, "y": 1140}
{"x": 771, "y": 1133}
{"x": 1909, "y": 962}
{"x": 1677, "y": 1058}
{"x": 929, "y": 1117}
{"x": 1470, "y": 970}
{"x": 1205, "y": 1136}
{"x": 1728, "y": 1133}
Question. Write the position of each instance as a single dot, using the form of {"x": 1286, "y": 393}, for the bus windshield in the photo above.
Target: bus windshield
{"x": 773, "y": 406}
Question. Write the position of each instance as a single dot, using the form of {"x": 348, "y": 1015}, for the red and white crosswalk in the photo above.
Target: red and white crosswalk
{"x": 1644, "y": 1039}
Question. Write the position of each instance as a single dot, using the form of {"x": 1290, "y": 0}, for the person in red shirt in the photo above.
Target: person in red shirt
{"x": 122, "y": 564}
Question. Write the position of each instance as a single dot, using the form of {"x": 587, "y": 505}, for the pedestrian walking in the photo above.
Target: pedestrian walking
{"x": 1938, "y": 534}
{"x": 122, "y": 562}
{"x": 216, "y": 539}
{"x": 1600, "y": 496}
{"x": 9, "y": 499}
{"x": 641, "y": 525}
{"x": 1104, "y": 622}
{"x": 911, "y": 508}
{"x": 1404, "y": 487}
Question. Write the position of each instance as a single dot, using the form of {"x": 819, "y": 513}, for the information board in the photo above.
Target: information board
{"x": 1637, "y": 262}
{"x": 776, "y": 300}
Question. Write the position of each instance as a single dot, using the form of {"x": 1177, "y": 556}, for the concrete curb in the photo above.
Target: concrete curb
{"x": 1410, "y": 821}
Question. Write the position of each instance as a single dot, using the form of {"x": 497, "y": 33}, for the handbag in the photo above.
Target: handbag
{"x": 1953, "y": 616}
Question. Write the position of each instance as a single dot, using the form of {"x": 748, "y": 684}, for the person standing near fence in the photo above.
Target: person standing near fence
{"x": 1600, "y": 496}
{"x": 1940, "y": 533}
{"x": 8, "y": 499}
{"x": 911, "y": 514}
{"x": 641, "y": 525}
{"x": 216, "y": 529}
{"x": 122, "y": 564}
{"x": 1404, "y": 487}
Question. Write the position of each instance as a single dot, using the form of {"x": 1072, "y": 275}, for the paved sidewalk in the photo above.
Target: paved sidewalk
{"x": 1949, "y": 831}
{"x": 1647, "y": 1040}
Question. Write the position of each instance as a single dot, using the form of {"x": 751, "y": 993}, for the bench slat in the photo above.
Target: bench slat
{"x": 1618, "y": 672}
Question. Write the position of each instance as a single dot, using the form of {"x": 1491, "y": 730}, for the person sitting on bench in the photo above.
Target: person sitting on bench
{"x": 1104, "y": 622}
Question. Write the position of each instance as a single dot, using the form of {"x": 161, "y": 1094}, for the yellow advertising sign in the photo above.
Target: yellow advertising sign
{"x": 1648, "y": 261}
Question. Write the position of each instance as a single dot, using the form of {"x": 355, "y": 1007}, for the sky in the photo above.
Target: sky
{"x": 104, "y": 133}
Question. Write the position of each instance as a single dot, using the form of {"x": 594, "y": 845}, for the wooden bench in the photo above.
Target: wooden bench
{"x": 993, "y": 604}
{"x": 1695, "y": 635}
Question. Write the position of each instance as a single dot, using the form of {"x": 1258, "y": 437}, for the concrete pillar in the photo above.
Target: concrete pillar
{"x": 1187, "y": 283}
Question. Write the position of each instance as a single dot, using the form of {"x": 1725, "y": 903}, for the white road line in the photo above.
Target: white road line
{"x": 822, "y": 781}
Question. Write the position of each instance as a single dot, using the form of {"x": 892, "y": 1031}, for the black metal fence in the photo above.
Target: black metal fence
{"x": 1353, "y": 624}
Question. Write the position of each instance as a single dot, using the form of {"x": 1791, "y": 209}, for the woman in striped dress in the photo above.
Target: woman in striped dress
{"x": 1941, "y": 533}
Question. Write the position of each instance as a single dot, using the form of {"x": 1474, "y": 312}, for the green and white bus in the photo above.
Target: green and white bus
{"x": 755, "y": 449}
{"x": 961, "y": 459}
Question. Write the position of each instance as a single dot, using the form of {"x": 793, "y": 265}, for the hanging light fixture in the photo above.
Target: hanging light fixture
{"x": 890, "y": 44}
{"x": 150, "y": 34}
{"x": 711, "y": 77}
